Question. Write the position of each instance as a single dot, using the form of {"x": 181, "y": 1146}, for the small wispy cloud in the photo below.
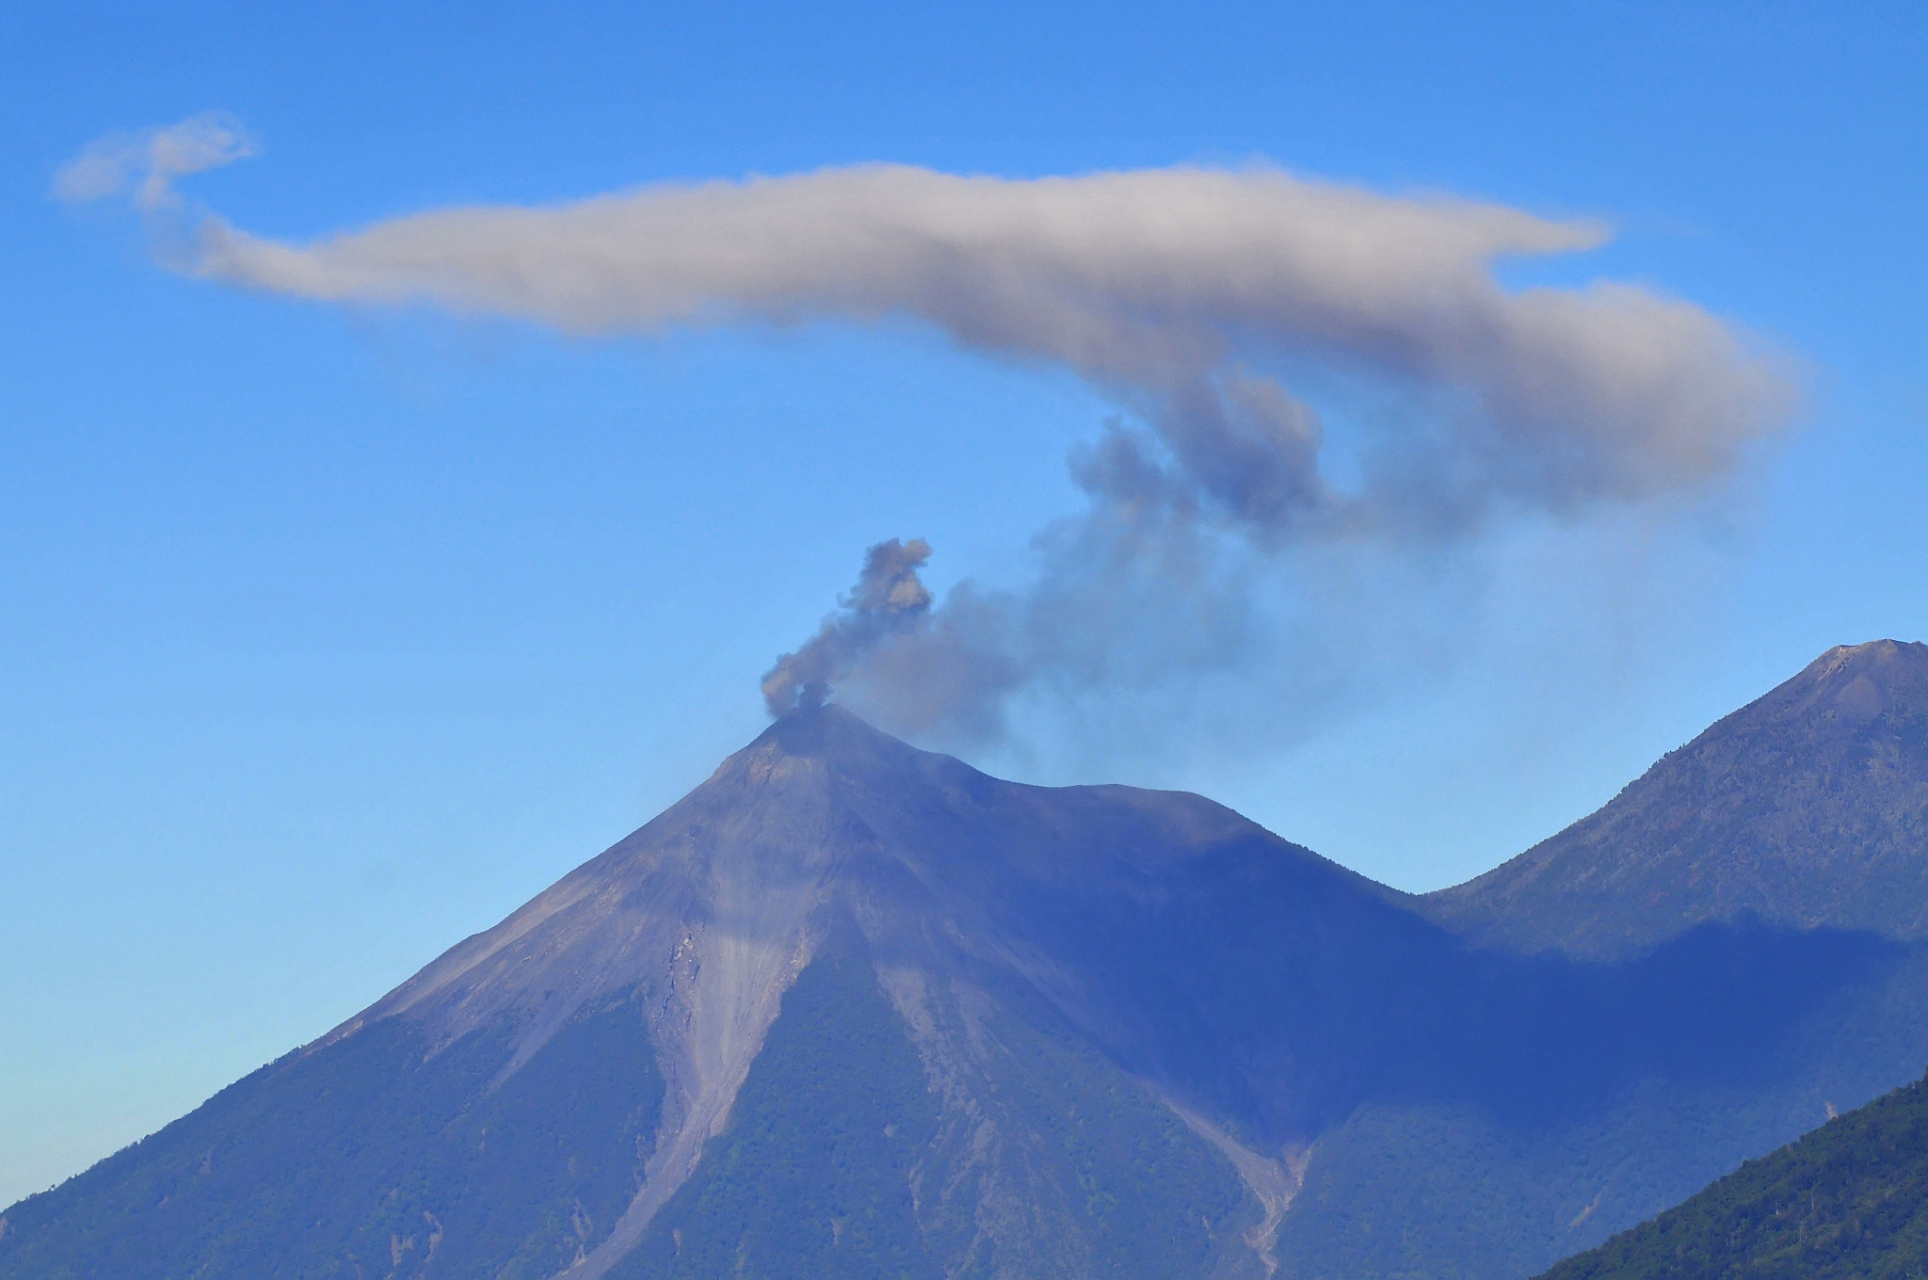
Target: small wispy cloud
{"x": 142, "y": 165}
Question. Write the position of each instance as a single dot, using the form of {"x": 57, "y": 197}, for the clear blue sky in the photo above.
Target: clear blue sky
{"x": 329, "y": 636}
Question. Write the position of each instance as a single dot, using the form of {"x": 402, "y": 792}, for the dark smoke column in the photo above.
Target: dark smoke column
{"x": 888, "y": 600}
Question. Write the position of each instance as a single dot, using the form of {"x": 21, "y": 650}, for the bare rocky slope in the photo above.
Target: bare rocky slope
{"x": 852, "y": 1009}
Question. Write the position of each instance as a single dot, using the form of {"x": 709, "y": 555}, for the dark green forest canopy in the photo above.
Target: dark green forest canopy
{"x": 1850, "y": 1200}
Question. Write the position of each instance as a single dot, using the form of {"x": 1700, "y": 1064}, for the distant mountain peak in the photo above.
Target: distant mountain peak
{"x": 1875, "y": 655}
{"x": 1807, "y": 807}
{"x": 1858, "y": 682}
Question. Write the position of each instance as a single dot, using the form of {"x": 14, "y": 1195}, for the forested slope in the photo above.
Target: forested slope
{"x": 1850, "y": 1200}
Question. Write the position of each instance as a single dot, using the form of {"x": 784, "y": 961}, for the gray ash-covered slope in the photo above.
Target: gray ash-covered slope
{"x": 1807, "y": 807}
{"x": 851, "y": 1009}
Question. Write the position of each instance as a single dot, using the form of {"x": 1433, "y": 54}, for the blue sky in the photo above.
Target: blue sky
{"x": 332, "y": 634}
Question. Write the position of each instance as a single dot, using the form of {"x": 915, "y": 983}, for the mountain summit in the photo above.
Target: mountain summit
{"x": 854, "y": 1010}
{"x": 1807, "y": 807}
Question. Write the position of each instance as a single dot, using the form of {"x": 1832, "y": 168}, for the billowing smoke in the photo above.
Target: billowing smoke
{"x": 889, "y": 599}
{"x": 1190, "y": 297}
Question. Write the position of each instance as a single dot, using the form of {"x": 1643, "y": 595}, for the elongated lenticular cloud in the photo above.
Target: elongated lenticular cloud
{"x": 1190, "y": 297}
{"x": 1170, "y": 290}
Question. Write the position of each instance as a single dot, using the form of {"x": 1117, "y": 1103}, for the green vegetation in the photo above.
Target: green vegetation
{"x": 1850, "y": 1200}
{"x": 372, "y": 1157}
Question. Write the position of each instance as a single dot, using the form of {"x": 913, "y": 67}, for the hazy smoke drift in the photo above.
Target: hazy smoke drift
{"x": 1182, "y": 294}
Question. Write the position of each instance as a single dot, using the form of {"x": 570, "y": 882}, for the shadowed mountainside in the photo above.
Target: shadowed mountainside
{"x": 1807, "y": 807}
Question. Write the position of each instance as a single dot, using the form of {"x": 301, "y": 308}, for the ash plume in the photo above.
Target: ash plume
{"x": 889, "y": 599}
{"x": 1243, "y": 322}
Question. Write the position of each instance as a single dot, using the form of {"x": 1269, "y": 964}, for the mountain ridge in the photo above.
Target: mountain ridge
{"x": 1807, "y": 807}
{"x": 1102, "y": 1031}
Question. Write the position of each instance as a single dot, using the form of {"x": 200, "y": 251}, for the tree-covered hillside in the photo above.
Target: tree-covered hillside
{"x": 1850, "y": 1200}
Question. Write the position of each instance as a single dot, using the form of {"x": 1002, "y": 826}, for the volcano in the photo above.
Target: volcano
{"x": 851, "y": 1009}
